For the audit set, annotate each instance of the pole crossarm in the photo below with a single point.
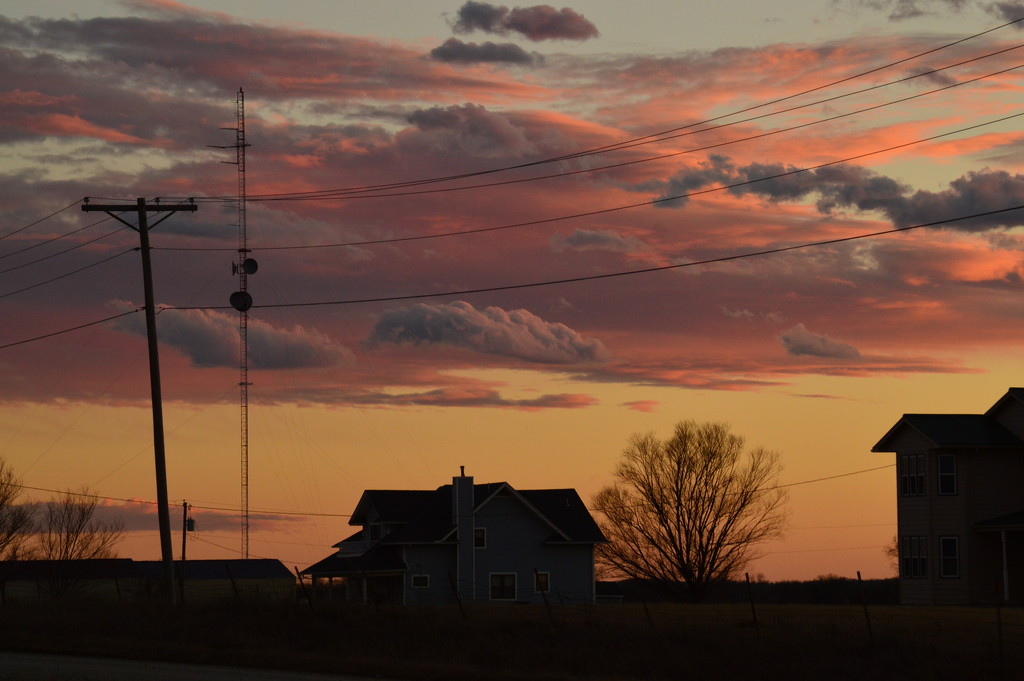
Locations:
(112, 209)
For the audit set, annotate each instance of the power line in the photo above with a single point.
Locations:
(66, 250)
(623, 273)
(43, 219)
(834, 477)
(652, 136)
(311, 514)
(102, 497)
(52, 239)
(327, 195)
(68, 274)
(554, 282)
(631, 206)
(69, 330)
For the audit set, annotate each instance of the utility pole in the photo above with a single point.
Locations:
(163, 509)
(187, 525)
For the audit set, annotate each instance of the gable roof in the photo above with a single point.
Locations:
(1012, 395)
(953, 430)
(425, 516)
(565, 510)
(392, 505)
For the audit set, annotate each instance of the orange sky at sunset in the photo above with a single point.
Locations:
(419, 170)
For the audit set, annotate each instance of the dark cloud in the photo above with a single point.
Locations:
(539, 22)
(596, 240)
(516, 333)
(801, 341)
(210, 339)
(900, 10)
(1007, 11)
(471, 128)
(455, 51)
(716, 170)
(846, 186)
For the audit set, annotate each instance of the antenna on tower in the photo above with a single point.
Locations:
(242, 301)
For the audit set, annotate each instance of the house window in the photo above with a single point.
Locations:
(949, 554)
(911, 475)
(480, 537)
(913, 557)
(421, 581)
(503, 586)
(947, 474)
(373, 531)
(542, 582)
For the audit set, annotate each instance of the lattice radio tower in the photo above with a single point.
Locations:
(242, 301)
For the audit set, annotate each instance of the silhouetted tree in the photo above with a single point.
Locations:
(892, 552)
(69, 533)
(16, 519)
(687, 512)
(70, 529)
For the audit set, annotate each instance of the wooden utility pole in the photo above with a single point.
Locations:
(163, 509)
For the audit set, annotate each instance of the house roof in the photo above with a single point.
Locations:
(235, 568)
(126, 568)
(380, 558)
(425, 517)
(565, 509)
(1013, 394)
(392, 505)
(1010, 521)
(953, 430)
(97, 568)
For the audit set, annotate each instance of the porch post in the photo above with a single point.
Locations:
(1006, 569)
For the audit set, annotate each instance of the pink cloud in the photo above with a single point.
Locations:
(646, 406)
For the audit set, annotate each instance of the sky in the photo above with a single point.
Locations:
(505, 237)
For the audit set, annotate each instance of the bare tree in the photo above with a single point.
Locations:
(70, 529)
(16, 519)
(892, 552)
(688, 512)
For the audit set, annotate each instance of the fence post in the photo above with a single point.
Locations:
(455, 590)
(753, 608)
(867, 617)
(999, 630)
(544, 597)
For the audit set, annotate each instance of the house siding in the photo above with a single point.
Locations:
(989, 485)
(517, 542)
(437, 561)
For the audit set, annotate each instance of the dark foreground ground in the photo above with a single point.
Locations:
(608, 642)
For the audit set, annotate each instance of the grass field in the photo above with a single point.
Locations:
(597, 643)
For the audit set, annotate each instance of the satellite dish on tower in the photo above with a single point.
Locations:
(241, 301)
(249, 266)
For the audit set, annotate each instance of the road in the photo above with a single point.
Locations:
(38, 667)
